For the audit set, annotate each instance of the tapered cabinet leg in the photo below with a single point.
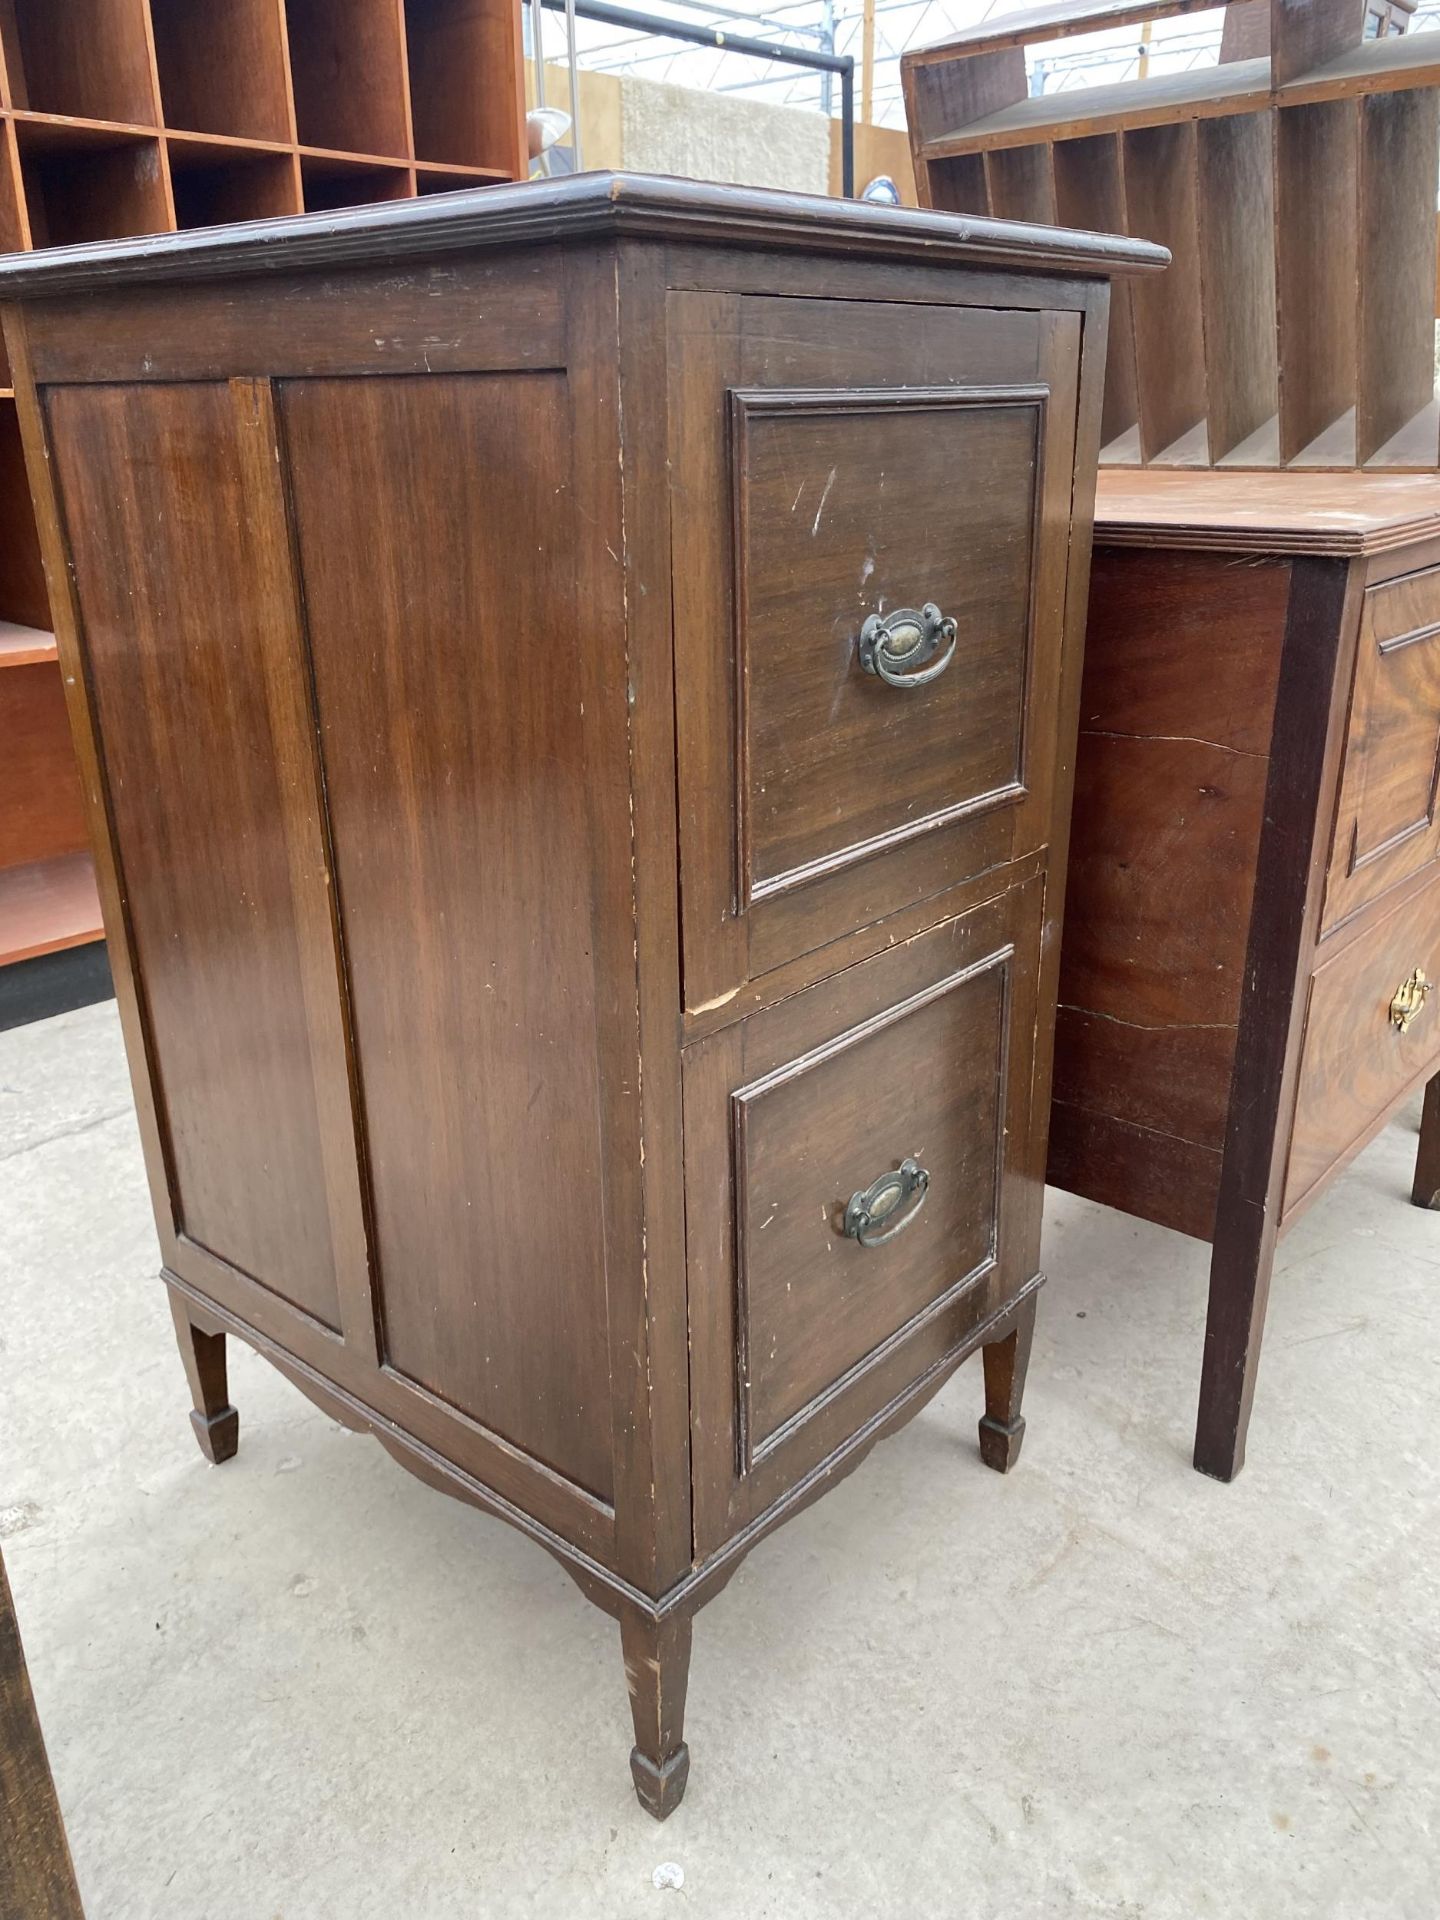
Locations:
(1241, 1262)
(1426, 1190)
(657, 1671)
(1006, 1363)
(216, 1423)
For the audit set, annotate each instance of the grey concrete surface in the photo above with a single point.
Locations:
(303, 1687)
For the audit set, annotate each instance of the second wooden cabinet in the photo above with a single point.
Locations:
(577, 688)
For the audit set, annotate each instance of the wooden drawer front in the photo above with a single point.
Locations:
(800, 1333)
(830, 468)
(1358, 1065)
(1386, 827)
(837, 763)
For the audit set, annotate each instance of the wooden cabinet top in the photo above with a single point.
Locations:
(1334, 513)
(583, 206)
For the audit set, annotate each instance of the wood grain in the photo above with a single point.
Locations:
(1236, 198)
(1304, 756)
(42, 811)
(1090, 192)
(859, 1321)
(178, 607)
(1317, 240)
(37, 1880)
(1399, 152)
(1386, 824)
(1358, 1066)
(1160, 194)
(224, 69)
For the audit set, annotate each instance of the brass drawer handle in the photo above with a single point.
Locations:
(868, 1212)
(894, 645)
(1410, 998)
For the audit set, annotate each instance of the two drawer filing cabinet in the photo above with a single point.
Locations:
(576, 685)
(1252, 930)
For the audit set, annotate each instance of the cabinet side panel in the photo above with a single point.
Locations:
(1181, 659)
(179, 599)
(436, 543)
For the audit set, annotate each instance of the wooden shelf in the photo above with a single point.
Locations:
(214, 183)
(1393, 65)
(1293, 181)
(222, 67)
(331, 181)
(48, 905)
(447, 42)
(347, 62)
(93, 190)
(24, 646)
(1243, 86)
(90, 58)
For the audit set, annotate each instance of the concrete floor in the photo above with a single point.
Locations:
(303, 1686)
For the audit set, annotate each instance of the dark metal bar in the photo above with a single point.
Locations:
(723, 42)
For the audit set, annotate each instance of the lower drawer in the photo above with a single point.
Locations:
(858, 1161)
(1359, 1061)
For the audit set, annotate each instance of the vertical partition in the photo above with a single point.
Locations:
(958, 185)
(222, 67)
(1397, 424)
(1236, 204)
(1090, 193)
(1160, 192)
(1022, 184)
(1316, 260)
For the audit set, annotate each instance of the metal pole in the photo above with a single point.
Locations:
(658, 24)
(537, 62)
(867, 66)
(574, 87)
(847, 129)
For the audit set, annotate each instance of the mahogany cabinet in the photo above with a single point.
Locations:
(576, 687)
(1253, 916)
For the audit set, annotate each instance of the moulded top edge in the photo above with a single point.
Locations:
(556, 210)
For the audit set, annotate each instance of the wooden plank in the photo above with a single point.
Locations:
(1022, 184)
(222, 68)
(48, 905)
(1162, 99)
(1305, 34)
(1055, 22)
(1236, 196)
(1309, 730)
(41, 807)
(86, 57)
(22, 646)
(462, 57)
(956, 186)
(1391, 65)
(940, 99)
(1160, 191)
(1316, 258)
(1338, 513)
(37, 1878)
(1399, 159)
(1090, 193)
(347, 63)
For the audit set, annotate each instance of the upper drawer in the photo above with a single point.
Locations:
(1385, 825)
(870, 518)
